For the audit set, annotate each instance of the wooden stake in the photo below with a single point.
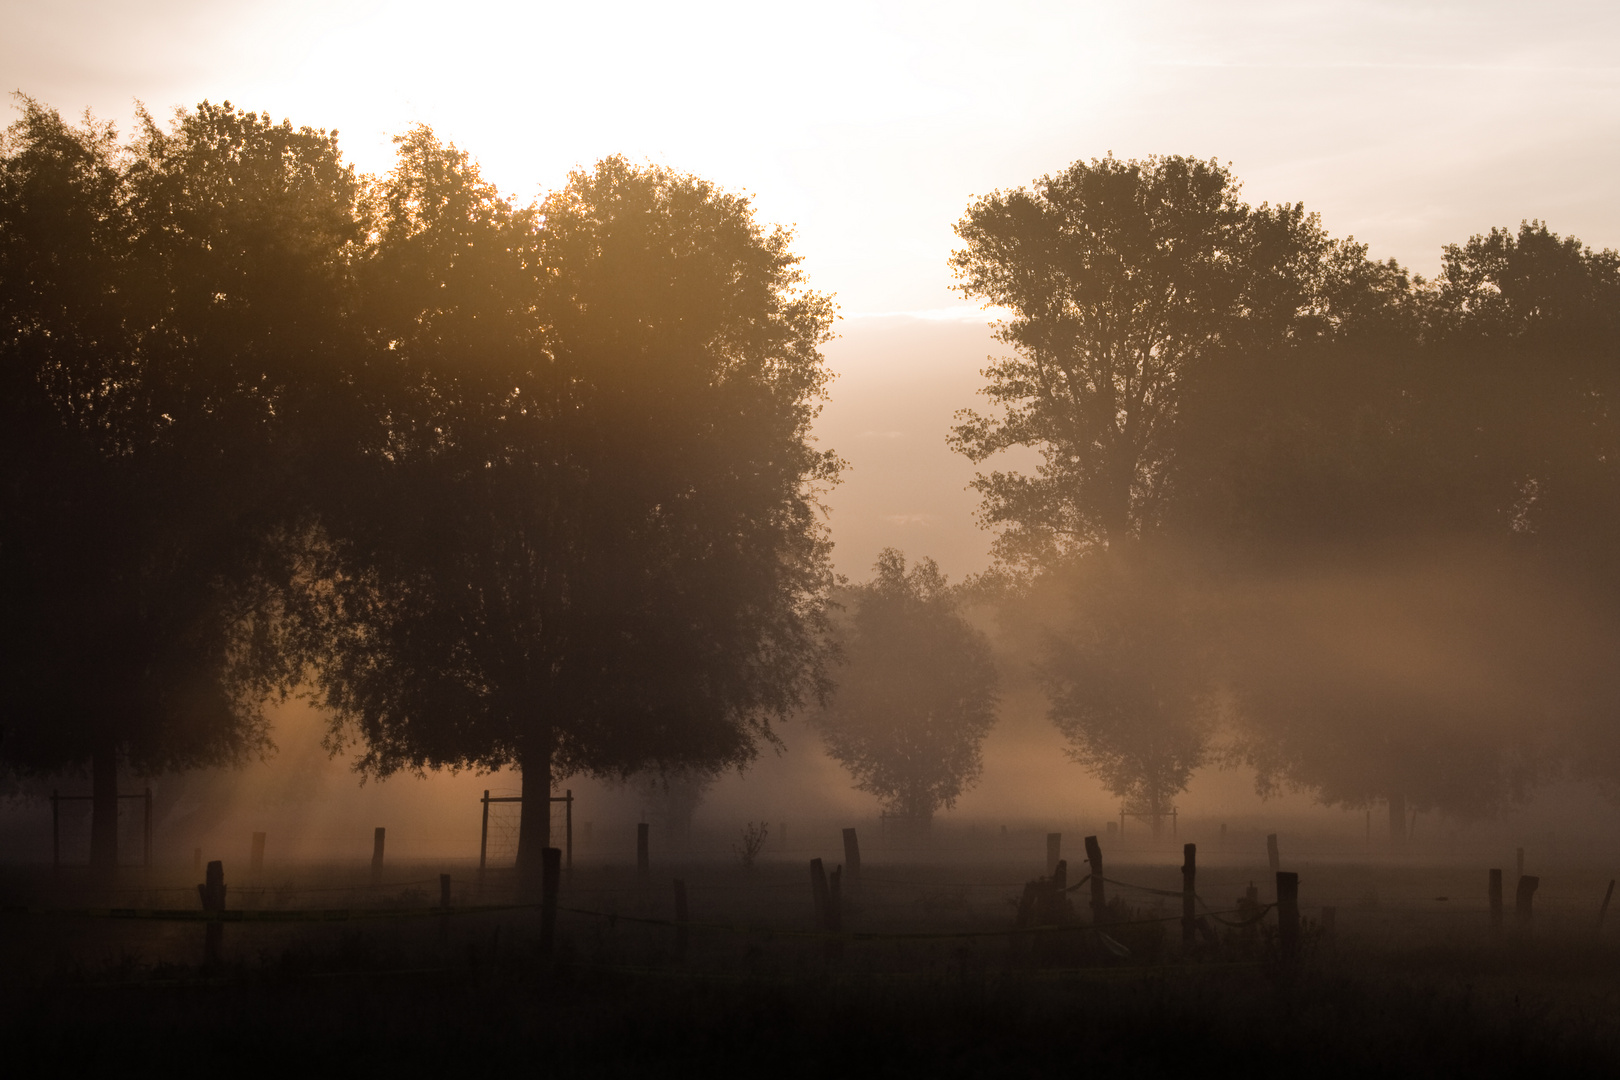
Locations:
(1189, 888)
(643, 863)
(550, 880)
(212, 893)
(377, 839)
(1054, 849)
(1521, 904)
(1099, 902)
(818, 892)
(852, 855)
(1288, 915)
(680, 919)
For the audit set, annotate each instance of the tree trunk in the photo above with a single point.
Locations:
(534, 822)
(104, 811)
(1397, 817)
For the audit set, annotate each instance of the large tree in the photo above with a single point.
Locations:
(169, 307)
(916, 693)
(585, 536)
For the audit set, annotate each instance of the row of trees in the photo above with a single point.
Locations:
(1363, 523)
(505, 485)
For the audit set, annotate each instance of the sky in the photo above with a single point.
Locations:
(870, 126)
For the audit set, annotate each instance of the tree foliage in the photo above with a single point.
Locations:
(586, 538)
(172, 309)
(917, 692)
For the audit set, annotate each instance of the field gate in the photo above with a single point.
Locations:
(567, 799)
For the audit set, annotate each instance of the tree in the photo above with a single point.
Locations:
(1130, 678)
(1119, 278)
(917, 693)
(590, 541)
(169, 309)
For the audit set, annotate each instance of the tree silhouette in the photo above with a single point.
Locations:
(1130, 678)
(170, 308)
(916, 695)
(584, 538)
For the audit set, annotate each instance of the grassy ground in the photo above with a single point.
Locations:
(1410, 984)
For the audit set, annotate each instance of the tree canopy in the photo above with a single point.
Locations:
(172, 311)
(591, 540)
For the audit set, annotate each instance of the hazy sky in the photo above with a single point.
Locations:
(871, 125)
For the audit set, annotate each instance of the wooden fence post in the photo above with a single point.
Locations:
(1495, 894)
(680, 919)
(483, 838)
(1604, 910)
(568, 825)
(212, 893)
(377, 838)
(256, 853)
(1288, 915)
(1054, 851)
(852, 856)
(643, 862)
(1099, 903)
(818, 892)
(1521, 904)
(550, 879)
(1189, 890)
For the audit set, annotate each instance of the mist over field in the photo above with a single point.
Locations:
(890, 537)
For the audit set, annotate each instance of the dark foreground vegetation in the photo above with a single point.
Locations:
(1398, 989)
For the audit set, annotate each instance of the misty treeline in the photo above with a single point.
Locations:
(1295, 507)
(496, 484)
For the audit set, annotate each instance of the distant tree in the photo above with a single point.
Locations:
(169, 311)
(584, 538)
(917, 692)
(671, 797)
(1130, 678)
(1120, 278)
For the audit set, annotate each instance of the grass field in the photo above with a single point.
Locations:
(925, 980)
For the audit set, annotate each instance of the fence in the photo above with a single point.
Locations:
(506, 831)
(57, 799)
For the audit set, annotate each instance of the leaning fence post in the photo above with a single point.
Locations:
(1189, 881)
(550, 878)
(1054, 851)
(1495, 895)
(377, 838)
(1288, 914)
(642, 861)
(212, 892)
(680, 919)
(852, 856)
(818, 892)
(1099, 904)
(1521, 905)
